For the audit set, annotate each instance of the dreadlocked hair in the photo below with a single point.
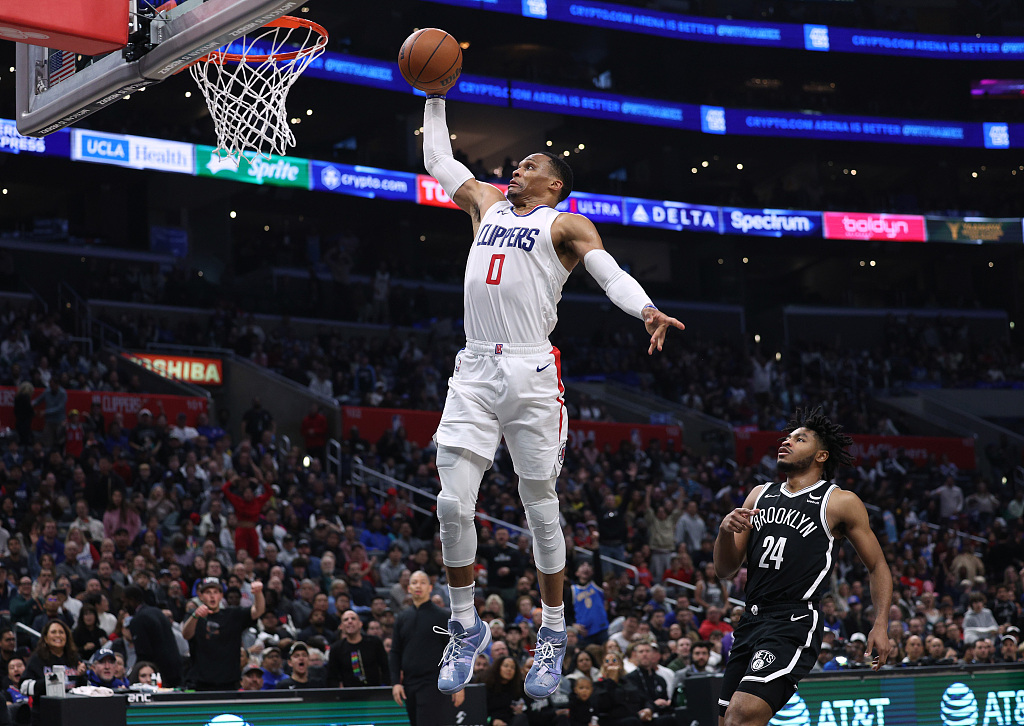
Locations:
(831, 435)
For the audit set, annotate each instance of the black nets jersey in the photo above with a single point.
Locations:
(791, 548)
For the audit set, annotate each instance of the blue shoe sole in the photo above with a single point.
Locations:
(483, 644)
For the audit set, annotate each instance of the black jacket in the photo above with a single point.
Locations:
(416, 649)
(155, 642)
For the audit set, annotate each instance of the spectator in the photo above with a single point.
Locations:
(299, 677)
(505, 696)
(88, 636)
(55, 647)
(54, 400)
(153, 637)
(950, 498)
(103, 670)
(653, 687)
(252, 678)
(979, 621)
(214, 649)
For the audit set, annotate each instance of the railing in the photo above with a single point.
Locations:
(937, 528)
(693, 588)
(360, 470)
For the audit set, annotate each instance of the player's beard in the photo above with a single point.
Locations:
(795, 467)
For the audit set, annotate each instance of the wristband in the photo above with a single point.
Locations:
(435, 95)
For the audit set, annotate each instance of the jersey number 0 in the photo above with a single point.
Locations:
(494, 270)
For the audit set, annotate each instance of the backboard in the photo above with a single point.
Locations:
(55, 88)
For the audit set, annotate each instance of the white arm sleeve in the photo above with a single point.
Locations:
(618, 285)
(437, 149)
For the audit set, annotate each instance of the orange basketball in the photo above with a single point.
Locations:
(430, 60)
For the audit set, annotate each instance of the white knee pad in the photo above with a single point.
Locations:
(544, 520)
(460, 472)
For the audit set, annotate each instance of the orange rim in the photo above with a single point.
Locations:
(285, 21)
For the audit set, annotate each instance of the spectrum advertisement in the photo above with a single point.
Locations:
(701, 29)
(951, 698)
(771, 222)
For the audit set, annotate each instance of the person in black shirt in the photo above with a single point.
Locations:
(653, 687)
(788, 535)
(504, 565)
(416, 650)
(153, 637)
(298, 661)
(215, 636)
(357, 659)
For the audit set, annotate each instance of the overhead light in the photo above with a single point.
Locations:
(188, 94)
(549, 142)
(853, 172)
(581, 147)
(757, 337)
(693, 170)
(266, 228)
(464, 45)
(740, 167)
(704, 164)
(309, 112)
(872, 263)
(746, 260)
(232, 214)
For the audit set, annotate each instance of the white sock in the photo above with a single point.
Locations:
(552, 617)
(463, 605)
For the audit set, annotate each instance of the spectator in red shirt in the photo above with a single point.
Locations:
(713, 622)
(247, 510)
(314, 432)
(911, 580)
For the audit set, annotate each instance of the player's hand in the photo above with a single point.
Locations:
(657, 324)
(878, 642)
(458, 698)
(738, 520)
(257, 587)
(398, 693)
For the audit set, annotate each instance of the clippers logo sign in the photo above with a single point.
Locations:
(203, 371)
(857, 225)
(671, 215)
(363, 181)
(771, 222)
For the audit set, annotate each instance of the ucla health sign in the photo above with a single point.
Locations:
(362, 181)
(771, 222)
(670, 215)
(136, 152)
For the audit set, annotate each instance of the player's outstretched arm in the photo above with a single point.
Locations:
(578, 234)
(733, 535)
(855, 523)
(471, 196)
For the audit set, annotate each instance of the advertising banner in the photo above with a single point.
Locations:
(671, 215)
(281, 171)
(127, 404)
(99, 148)
(866, 449)
(612, 106)
(201, 371)
(11, 142)
(420, 427)
(480, 89)
(363, 181)
(362, 71)
(974, 230)
(771, 222)
(981, 697)
(595, 207)
(866, 226)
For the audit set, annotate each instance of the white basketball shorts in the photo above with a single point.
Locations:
(515, 391)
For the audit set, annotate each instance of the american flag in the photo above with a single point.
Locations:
(61, 66)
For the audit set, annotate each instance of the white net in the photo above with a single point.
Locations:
(246, 86)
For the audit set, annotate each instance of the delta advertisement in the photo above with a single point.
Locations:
(951, 698)
(420, 426)
(867, 449)
(112, 403)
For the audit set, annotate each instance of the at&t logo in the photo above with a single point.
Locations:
(960, 707)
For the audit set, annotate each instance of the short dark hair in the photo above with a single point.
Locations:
(831, 436)
(563, 172)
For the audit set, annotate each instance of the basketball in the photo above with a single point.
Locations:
(430, 60)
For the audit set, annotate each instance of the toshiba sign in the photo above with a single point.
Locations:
(857, 225)
(203, 371)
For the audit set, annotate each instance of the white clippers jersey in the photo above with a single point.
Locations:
(514, 278)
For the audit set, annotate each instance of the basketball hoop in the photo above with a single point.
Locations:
(247, 98)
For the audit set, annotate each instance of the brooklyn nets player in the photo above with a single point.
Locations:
(788, 535)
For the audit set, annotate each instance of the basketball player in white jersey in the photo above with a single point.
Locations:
(788, 533)
(507, 380)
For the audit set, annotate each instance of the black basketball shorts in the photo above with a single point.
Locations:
(773, 648)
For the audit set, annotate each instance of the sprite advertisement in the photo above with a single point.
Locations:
(281, 171)
(952, 698)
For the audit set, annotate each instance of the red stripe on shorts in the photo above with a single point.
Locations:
(561, 389)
